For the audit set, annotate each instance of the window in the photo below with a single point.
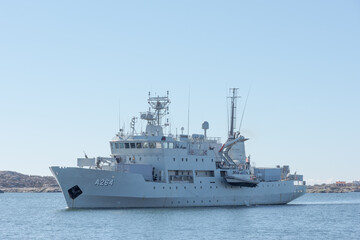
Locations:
(165, 145)
(138, 145)
(145, 145)
(117, 145)
(127, 145)
(121, 145)
(132, 145)
(151, 145)
(158, 145)
(171, 145)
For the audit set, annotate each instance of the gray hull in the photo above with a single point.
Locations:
(112, 189)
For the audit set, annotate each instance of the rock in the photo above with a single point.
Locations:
(16, 182)
(332, 188)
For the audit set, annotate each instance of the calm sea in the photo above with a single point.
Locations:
(313, 216)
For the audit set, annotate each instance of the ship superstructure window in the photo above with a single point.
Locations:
(180, 176)
(138, 145)
(132, 145)
(145, 145)
(117, 145)
(202, 173)
(165, 145)
(127, 145)
(158, 145)
(151, 145)
(121, 145)
(171, 145)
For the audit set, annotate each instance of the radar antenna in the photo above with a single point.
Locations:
(160, 106)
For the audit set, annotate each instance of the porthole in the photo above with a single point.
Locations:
(182, 160)
(202, 201)
(174, 159)
(196, 159)
(186, 159)
(176, 187)
(163, 187)
(201, 187)
(187, 201)
(193, 201)
(216, 187)
(212, 160)
(202, 160)
(178, 202)
(154, 187)
(195, 187)
(209, 200)
(217, 200)
(184, 187)
(210, 186)
(169, 187)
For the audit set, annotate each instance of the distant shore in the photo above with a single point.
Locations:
(332, 188)
(16, 182)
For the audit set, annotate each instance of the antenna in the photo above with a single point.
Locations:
(188, 124)
(119, 115)
(242, 115)
(233, 98)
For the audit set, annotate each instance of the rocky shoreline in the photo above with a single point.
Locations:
(333, 188)
(16, 182)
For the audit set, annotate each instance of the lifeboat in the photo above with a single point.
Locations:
(242, 180)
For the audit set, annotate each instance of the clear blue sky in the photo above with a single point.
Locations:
(64, 67)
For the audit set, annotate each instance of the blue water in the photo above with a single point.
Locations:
(313, 216)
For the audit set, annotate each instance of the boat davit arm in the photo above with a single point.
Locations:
(224, 150)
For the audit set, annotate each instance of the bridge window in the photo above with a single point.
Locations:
(121, 145)
(158, 145)
(132, 145)
(127, 145)
(138, 145)
(117, 145)
(151, 145)
(145, 145)
(171, 145)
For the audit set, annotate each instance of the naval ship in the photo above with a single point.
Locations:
(154, 169)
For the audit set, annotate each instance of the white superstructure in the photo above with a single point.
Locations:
(152, 169)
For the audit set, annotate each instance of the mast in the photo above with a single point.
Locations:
(159, 108)
(233, 98)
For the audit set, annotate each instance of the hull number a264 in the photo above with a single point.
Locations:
(104, 182)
